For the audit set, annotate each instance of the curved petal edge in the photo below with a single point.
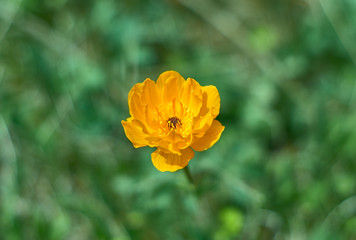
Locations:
(211, 136)
(171, 162)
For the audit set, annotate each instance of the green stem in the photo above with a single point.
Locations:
(188, 175)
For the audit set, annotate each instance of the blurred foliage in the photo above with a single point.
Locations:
(283, 169)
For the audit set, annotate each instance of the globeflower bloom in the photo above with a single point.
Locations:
(175, 116)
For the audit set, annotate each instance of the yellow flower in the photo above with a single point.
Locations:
(175, 115)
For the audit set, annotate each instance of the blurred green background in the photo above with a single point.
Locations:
(284, 167)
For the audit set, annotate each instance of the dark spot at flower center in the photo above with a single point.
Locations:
(173, 121)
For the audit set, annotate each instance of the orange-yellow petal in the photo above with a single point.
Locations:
(166, 75)
(136, 132)
(150, 94)
(210, 137)
(213, 99)
(171, 89)
(142, 94)
(171, 162)
(137, 88)
(209, 110)
(191, 96)
(136, 107)
(170, 142)
(143, 101)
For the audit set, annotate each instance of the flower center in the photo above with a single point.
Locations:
(173, 121)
